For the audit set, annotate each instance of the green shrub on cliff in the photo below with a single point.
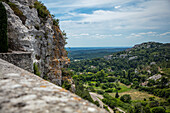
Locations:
(56, 22)
(17, 12)
(66, 85)
(36, 70)
(3, 29)
(5, 1)
(42, 10)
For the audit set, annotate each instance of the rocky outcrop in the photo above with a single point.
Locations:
(39, 36)
(145, 45)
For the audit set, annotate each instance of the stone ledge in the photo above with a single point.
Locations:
(19, 58)
(24, 92)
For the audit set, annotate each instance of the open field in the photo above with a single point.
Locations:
(123, 87)
(135, 94)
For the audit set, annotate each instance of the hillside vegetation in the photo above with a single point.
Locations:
(136, 80)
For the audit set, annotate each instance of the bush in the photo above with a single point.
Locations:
(106, 108)
(109, 90)
(158, 110)
(111, 79)
(151, 98)
(5, 1)
(36, 70)
(164, 103)
(147, 109)
(122, 104)
(144, 103)
(153, 104)
(104, 86)
(17, 12)
(125, 98)
(56, 22)
(117, 95)
(80, 91)
(97, 103)
(168, 99)
(41, 9)
(97, 84)
(139, 108)
(125, 81)
(91, 89)
(107, 96)
(66, 72)
(66, 85)
(100, 92)
(3, 29)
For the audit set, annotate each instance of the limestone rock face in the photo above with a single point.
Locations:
(39, 36)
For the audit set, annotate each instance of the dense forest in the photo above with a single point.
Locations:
(120, 77)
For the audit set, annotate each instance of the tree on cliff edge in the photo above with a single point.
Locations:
(3, 29)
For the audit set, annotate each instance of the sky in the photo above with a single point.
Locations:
(112, 23)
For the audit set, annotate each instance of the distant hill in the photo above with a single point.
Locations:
(79, 53)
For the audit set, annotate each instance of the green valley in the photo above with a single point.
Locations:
(134, 80)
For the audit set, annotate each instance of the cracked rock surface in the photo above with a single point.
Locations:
(24, 92)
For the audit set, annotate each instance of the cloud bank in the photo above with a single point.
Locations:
(112, 22)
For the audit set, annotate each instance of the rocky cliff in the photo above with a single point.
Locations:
(31, 28)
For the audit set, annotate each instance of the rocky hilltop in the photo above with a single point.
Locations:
(31, 28)
(146, 45)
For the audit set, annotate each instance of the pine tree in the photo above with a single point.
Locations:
(117, 95)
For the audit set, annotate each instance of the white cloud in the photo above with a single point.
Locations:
(116, 7)
(84, 34)
(146, 34)
(112, 18)
(118, 35)
(83, 3)
(166, 33)
(147, 17)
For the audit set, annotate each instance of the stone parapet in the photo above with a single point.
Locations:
(20, 59)
(24, 92)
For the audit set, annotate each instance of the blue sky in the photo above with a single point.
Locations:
(112, 23)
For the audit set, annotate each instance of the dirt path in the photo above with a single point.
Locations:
(96, 97)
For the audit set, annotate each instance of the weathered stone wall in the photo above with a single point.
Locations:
(20, 59)
(24, 92)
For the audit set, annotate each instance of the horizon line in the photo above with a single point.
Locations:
(98, 46)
